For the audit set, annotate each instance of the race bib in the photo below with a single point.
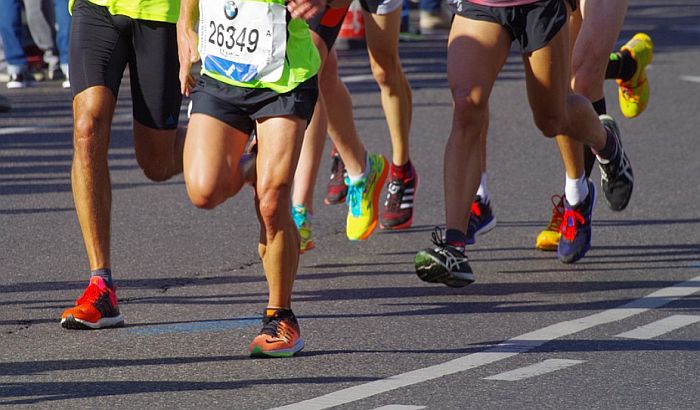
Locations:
(243, 40)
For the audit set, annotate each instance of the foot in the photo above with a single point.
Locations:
(548, 239)
(336, 190)
(444, 263)
(617, 178)
(363, 199)
(481, 219)
(398, 207)
(97, 308)
(634, 93)
(16, 80)
(279, 337)
(576, 228)
(302, 219)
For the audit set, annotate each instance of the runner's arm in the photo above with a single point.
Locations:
(305, 9)
(187, 42)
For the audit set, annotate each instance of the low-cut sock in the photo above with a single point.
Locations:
(357, 178)
(456, 238)
(621, 66)
(401, 172)
(483, 190)
(105, 274)
(610, 149)
(576, 190)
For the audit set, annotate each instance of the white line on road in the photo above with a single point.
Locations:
(504, 350)
(400, 407)
(537, 369)
(660, 327)
(17, 130)
(691, 78)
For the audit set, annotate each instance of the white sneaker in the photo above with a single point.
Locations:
(16, 81)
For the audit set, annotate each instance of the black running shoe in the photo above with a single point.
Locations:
(481, 219)
(444, 264)
(337, 190)
(617, 178)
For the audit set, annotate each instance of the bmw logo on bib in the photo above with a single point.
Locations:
(230, 9)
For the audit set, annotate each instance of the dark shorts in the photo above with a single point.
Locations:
(380, 7)
(102, 45)
(532, 26)
(239, 107)
(327, 24)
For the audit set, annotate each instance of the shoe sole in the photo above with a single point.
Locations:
(259, 352)
(375, 202)
(431, 270)
(71, 322)
(409, 222)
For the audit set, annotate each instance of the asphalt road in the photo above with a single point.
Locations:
(617, 330)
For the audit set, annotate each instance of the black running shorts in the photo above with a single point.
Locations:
(327, 24)
(102, 45)
(532, 25)
(239, 107)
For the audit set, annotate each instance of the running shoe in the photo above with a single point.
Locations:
(481, 219)
(363, 199)
(97, 308)
(444, 263)
(576, 228)
(548, 239)
(336, 190)
(634, 93)
(617, 178)
(279, 337)
(302, 219)
(398, 207)
(16, 81)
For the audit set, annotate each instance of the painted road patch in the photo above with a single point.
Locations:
(195, 327)
(537, 369)
(660, 327)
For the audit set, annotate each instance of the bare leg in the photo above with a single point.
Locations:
(383, 47)
(471, 86)
(279, 147)
(159, 152)
(92, 191)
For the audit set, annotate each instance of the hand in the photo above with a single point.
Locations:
(188, 53)
(305, 9)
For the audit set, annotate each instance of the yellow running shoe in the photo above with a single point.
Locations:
(302, 220)
(634, 93)
(363, 199)
(548, 239)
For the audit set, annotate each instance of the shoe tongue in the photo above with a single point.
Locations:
(99, 282)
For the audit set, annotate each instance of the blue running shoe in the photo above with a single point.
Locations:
(576, 228)
(481, 219)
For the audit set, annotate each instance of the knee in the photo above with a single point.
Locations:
(272, 203)
(470, 106)
(551, 125)
(90, 136)
(202, 190)
(385, 69)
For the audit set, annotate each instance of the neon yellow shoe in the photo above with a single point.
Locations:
(363, 199)
(548, 239)
(302, 219)
(634, 93)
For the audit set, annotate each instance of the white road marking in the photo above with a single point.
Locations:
(537, 369)
(691, 78)
(17, 130)
(660, 327)
(400, 407)
(357, 78)
(504, 350)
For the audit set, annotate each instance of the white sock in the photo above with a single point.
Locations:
(483, 190)
(355, 179)
(576, 190)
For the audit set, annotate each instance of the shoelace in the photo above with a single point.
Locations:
(91, 295)
(354, 198)
(441, 247)
(299, 215)
(571, 220)
(274, 326)
(557, 212)
(394, 195)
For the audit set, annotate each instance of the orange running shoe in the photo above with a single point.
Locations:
(97, 308)
(279, 337)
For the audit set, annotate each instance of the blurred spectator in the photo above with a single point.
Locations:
(40, 15)
(432, 17)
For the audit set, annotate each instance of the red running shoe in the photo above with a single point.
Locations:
(97, 308)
